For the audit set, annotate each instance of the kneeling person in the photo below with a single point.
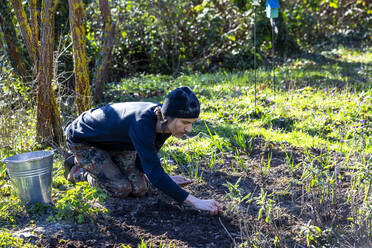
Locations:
(115, 147)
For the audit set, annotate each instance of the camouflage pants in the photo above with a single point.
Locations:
(114, 172)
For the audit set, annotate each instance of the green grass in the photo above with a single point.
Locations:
(312, 105)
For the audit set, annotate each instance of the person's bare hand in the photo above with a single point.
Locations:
(181, 181)
(210, 205)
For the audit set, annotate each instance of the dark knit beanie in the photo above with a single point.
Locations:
(181, 103)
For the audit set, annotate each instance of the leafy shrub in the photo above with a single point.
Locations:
(171, 36)
(317, 20)
(8, 241)
(79, 204)
(165, 36)
(10, 207)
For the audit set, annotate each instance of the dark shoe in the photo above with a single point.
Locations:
(77, 174)
(68, 164)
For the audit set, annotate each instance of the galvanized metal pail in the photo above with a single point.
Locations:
(31, 175)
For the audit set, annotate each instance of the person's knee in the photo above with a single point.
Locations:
(140, 188)
(117, 187)
(121, 188)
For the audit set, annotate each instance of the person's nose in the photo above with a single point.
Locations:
(188, 128)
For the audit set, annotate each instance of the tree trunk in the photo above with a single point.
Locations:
(82, 86)
(48, 121)
(13, 48)
(25, 27)
(49, 127)
(104, 59)
(35, 33)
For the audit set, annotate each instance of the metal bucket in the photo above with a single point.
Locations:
(31, 175)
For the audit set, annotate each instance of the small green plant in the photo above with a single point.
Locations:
(362, 176)
(363, 216)
(192, 166)
(177, 157)
(80, 204)
(240, 161)
(168, 164)
(145, 244)
(236, 195)
(289, 161)
(212, 161)
(267, 206)
(188, 161)
(359, 195)
(319, 173)
(217, 142)
(249, 144)
(310, 232)
(239, 140)
(265, 168)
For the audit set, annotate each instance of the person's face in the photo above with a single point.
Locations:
(180, 126)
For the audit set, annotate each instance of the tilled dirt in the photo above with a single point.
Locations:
(154, 218)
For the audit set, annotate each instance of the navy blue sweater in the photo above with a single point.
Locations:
(127, 126)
